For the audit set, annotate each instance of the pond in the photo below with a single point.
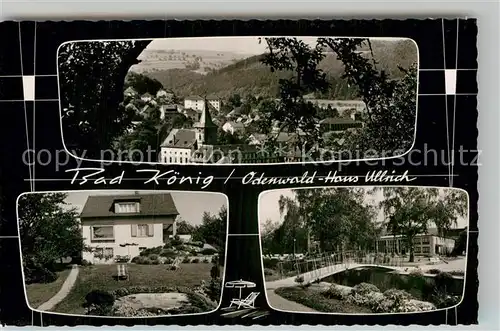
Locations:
(420, 287)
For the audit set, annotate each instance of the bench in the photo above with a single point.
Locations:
(121, 272)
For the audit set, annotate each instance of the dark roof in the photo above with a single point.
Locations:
(180, 138)
(157, 204)
(193, 97)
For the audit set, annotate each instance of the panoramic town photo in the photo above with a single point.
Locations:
(123, 253)
(364, 250)
(234, 100)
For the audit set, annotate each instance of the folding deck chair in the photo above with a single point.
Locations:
(248, 302)
(121, 272)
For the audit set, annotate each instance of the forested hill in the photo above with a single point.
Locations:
(251, 77)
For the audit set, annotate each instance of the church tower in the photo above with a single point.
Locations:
(206, 130)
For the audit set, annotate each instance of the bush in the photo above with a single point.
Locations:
(268, 272)
(208, 251)
(206, 261)
(199, 244)
(168, 245)
(195, 261)
(35, 272)
(99, 298)
(417, 273)
(334, 292)
(85, 263)
(393, 301)
(215, 271)
(271, 263)
(443, 281)
(365, 288)
(176, 241)
(442, 300)
(185, 260)
(299, 279)
(457, 273)
(153, 257)
(168, 253)
(155, 262)
(434, 271)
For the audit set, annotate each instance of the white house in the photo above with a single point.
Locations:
(197, 102)
(178, 147)
(233, 127)
(194, 102)
(123, 225)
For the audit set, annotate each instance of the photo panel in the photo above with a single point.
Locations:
(364, 250)
(123, 254)
(238, 100)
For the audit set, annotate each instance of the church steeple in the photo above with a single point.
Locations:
(206, 130)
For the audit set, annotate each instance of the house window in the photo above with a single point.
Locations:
(426, 250)
(104, 252)
(103, 233)
(142, 230)
(127, 207)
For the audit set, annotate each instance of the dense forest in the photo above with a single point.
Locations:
(251, 77)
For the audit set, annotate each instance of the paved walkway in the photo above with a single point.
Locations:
(63, 292)
(280, 303)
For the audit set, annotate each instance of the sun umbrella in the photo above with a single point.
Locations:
(241, 284)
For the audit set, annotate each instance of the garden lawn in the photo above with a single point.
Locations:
(39, 293)
(312, 298)
(100, 277)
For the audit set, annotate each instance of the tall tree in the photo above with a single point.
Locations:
(48, 230)
(92, 77)
(293, 113)
(391, 103)
(412, 210)
(212, 231)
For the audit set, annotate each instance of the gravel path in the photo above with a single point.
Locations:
(63, 292)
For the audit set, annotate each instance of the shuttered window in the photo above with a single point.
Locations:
(142, 230)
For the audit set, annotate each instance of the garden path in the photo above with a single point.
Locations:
(63, 292)
(280, 303)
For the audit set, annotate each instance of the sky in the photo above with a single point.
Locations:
(190, 205)
(241, 45)
(269, 209)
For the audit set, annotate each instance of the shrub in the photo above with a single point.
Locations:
(365, 288)
(434, 271)
(153, 257)
(457, 273)
(99, 298)
(271, 263)
(416, 273)
(443, 281)
(442, 300)
(168, 253)
(206, 261)
(394, 301)
(167, 245)
(214, 289)
(35, 272)
(268, 272)
(176, 241)
(185, 260)
(155, 262)
(199, 244)
(215, 271)
(195, 261)
(299, 279)
(147, 261)
(85, 263)
(334, 292)
(208, 251)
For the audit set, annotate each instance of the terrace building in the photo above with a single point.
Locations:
(427, 244)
